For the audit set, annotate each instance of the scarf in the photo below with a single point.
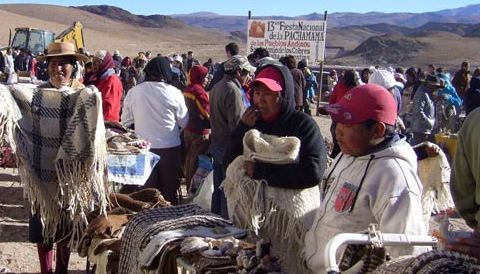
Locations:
(59, 138)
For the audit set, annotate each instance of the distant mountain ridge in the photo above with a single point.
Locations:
(150, 21)
(465, 15)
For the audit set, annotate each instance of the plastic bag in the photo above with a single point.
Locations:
(12, 78)
(201, 186)
(205, 166)
(204, 196)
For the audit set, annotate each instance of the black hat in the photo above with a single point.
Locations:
(432, 80)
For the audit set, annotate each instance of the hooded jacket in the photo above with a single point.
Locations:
(312, 157)
(110, 87)
(381, 187)
(196, 99)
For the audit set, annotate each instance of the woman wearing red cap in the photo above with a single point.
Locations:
(273, 114)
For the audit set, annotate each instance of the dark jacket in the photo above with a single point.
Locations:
(460, 81)
(312, 156)
(217, 76)
(299, 84)
(472, 97)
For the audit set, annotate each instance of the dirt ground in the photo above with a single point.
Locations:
(17, 255)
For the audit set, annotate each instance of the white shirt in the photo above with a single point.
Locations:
(158, 111)
(9, 67)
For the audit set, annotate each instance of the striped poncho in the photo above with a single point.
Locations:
(59, 139)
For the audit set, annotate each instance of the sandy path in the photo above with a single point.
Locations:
(17, 255)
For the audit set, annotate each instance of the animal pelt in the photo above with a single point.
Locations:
(106, 227)
(125, 201)
(150, 195)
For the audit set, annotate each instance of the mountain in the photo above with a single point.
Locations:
(386, 49)
(465, 15)
(151, 21)
(370, 43)
(117, 30)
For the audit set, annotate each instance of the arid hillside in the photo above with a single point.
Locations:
(104, 33)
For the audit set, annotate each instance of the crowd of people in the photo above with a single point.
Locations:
(185, 109)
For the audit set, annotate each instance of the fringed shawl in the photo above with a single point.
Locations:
(434, 172)
(280, 215)
(59, 138)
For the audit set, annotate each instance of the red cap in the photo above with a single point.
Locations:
(363, 103)
(271, 77)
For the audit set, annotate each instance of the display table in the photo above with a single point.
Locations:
(131, 169)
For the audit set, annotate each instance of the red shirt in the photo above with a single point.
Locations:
(338, 92)
(111, 89)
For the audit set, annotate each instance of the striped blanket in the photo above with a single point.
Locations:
(146, 224)
(59, 138)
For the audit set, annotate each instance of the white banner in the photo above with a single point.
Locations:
(300, 38)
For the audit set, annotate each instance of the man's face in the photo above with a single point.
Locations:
(243, 77)
(60, 71)
(354, 140)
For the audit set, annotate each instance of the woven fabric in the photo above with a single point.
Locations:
(146, 224)
(59, 138)
(433, 262)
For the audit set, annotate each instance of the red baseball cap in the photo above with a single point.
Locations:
(271, 77)
(363, 103)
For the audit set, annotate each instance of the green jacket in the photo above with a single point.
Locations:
(465, 181)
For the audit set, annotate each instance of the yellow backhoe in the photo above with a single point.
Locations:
(37, 40)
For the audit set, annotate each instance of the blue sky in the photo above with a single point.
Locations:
(267, 7)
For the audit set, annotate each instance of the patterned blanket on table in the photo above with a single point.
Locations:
(133, 169)
(145, 225)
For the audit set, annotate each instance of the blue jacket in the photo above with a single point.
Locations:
(450, 92)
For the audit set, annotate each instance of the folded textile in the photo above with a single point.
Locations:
(133, 169)
(148, 223)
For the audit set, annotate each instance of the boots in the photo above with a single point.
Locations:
(45, 256)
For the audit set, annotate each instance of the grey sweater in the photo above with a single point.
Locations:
(423, 112)
(226, 109)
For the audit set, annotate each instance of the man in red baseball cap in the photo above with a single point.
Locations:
(373, 180)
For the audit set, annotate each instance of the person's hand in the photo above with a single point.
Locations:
(432, 149)
(249, 117)
(467, 245)
(249, 167)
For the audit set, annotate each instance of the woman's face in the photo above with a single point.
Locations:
(267, 102)
(60, 71)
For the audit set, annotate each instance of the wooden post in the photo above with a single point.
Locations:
(319, 97)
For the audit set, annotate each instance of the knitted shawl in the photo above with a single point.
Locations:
(59, 138)
(434, 172)
(280, 215)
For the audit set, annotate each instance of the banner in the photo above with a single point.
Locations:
(300, 38)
